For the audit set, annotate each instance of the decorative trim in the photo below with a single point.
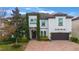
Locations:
(43, 28)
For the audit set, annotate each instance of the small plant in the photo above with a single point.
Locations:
(23, 39)
(74, 39)
(43, 38)
(16, 45)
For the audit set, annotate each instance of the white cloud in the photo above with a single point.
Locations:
(9, 11)
(43, 11)
(28, 8)
(22, 12)
(40, 10)
(33, 9)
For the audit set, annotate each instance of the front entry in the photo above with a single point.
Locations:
(33, 34)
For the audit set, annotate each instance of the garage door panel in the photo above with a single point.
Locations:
(60, 36)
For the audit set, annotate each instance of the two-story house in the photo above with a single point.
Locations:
(56, 26)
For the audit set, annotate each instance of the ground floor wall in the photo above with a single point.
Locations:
(44, 32)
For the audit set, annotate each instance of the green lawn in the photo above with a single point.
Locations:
(8, 47)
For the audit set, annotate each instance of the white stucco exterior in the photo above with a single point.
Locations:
(34, 19)
(51, 25)
(44, 28)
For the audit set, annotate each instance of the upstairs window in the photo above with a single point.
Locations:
(60, 22)
(33, 21)
(43, 23)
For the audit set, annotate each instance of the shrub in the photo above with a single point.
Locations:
(7, 40)
(74, 39)
(16, 45)
(45, 38)
(23, 39)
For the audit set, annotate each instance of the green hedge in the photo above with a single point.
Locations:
(23, 39)
(43, 38)
(74, 39)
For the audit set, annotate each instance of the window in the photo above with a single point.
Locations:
(41, 33)
(33, 21)
(43, 23)
(60, 21)
(44, 33)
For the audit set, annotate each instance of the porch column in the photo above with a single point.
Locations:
(49, 36)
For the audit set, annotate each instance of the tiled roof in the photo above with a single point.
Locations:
(53, 15)
(60, 14)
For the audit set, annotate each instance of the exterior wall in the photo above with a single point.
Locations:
(53, 25)
(44, 28)
(75, 28)
(35, 19)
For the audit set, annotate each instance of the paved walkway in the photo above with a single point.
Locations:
(54, 45)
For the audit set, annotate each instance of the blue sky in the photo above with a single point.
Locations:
(74, 11)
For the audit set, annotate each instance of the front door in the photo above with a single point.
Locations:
(33, 34)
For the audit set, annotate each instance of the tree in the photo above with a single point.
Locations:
(16, 16)
(18, 22)
(38, 26)
(27, 27)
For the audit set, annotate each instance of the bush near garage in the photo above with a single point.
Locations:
(74, 39)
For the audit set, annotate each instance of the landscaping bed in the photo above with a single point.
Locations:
(12, 47)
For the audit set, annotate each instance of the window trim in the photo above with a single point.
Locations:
(60, 21)
(33, 21)
(41, 33)
(43, 23)
(44, 33)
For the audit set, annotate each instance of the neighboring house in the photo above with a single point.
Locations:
(75, 27)
(1, 24)
(2, 27)
(54, 26)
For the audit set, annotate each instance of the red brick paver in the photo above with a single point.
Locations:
(54, 45)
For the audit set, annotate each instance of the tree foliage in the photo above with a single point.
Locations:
(27, 27)
(18, 22)
(38, 26)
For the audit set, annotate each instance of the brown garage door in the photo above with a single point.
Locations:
(60, 36)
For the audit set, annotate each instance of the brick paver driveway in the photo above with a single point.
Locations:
(54, 45)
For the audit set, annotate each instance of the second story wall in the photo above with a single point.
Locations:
(62, 25)
(32, 21)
